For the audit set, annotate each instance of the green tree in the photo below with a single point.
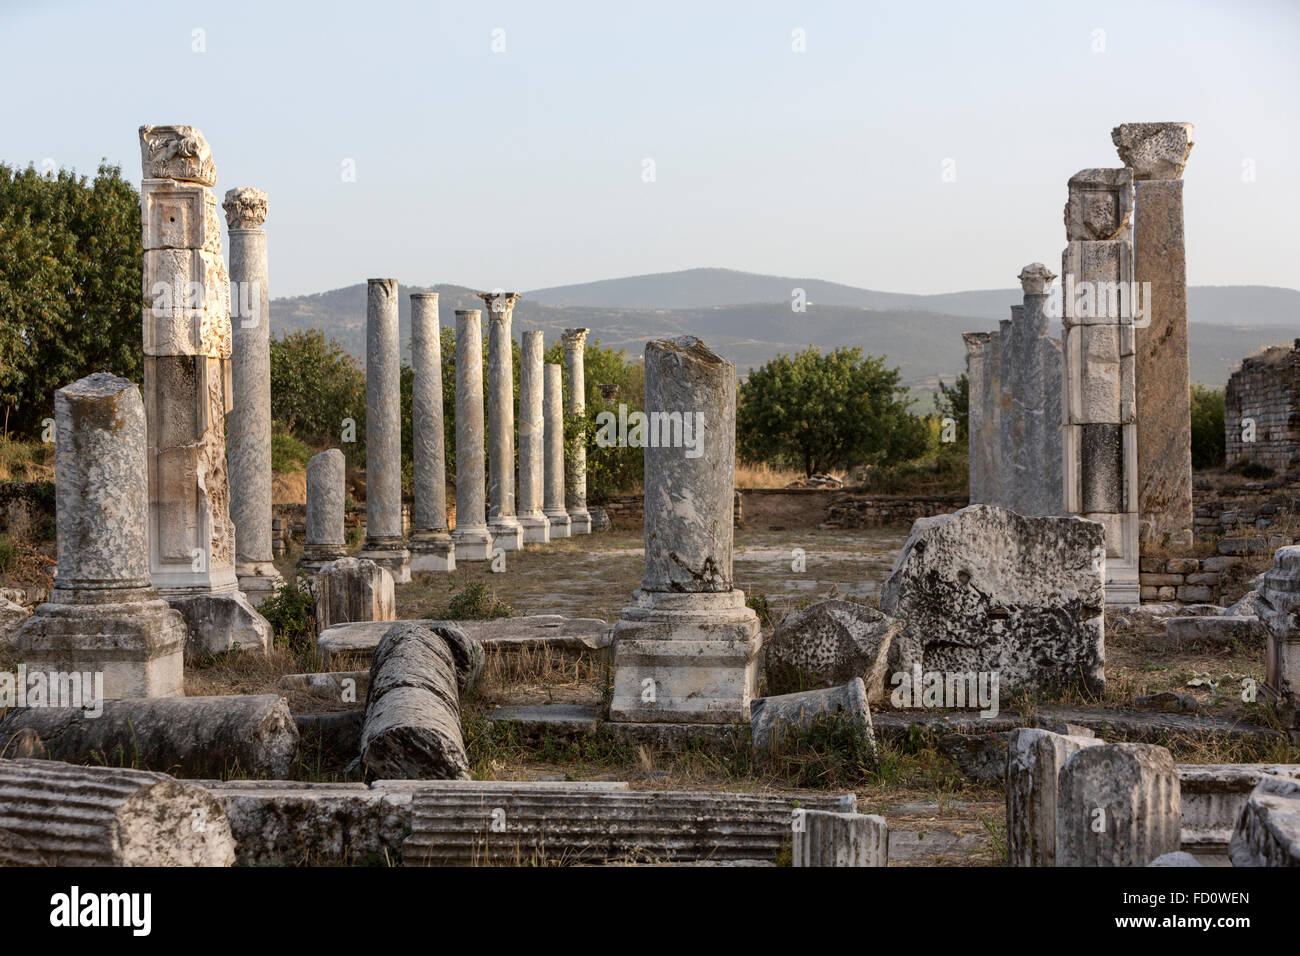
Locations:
(1208, 439)
(953, 401)
(819, 412)
(315, 386)
(70, 286)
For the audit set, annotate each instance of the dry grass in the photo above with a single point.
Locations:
(765, 476)
(26, 460)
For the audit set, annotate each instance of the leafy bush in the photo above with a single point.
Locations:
(291, 610)
(287, 452)
(476, 602)
(7, 552)
(1208, 442)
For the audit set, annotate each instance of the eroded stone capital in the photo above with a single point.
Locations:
(177, 152)
(1036, 279)
(245, 207)
(1154, 150)
(574, 338)
(499, 304)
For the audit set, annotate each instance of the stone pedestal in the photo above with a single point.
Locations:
(553, 459)
(1278, 604)
(471, 536)
(575, 500)
(502, 521)
(248, 428)
(1100, 437)
(187, 393)
(431, 546)
(103, 615)
(385, 543)
(685, 651)
(1156, 153)
(326, 500)
(532, 441)
(353, 589)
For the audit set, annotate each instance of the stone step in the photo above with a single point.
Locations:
(572, 637)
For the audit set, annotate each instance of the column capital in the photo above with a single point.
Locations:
(500, 305)
(1154, 150)
(245, 207)
(574, 338)
(1036, 279)
(177, 152)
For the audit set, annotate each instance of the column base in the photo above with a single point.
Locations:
(131, 636)
(390, 555)
(580, 522)
(258, 580)
(316, 556)
(219, 621)
(432, 551)
(537, 528)
(472, 544)
(560, 525)
(507, 533)
(685, 658)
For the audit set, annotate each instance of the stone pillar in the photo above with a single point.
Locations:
(471, 536)
(431, 546)
(980, 438)
(1278, 604)
(686, 649)
(1117, 805)
(825, 838)
(1156, 154)
(502, 521)
(575, 341)
(532, 441)
(1034, 761)
(103, 614)
(187, 393)
(384, 543)
(326, 500)
(1038, 450)
(249, 426)
(1100, 439)
(1007, 412)
(553, 428)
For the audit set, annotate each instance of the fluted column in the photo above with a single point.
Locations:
(553, 415)
(471, 536)
(575, 341)
(431, 545)
(248, 427)
(531, 441)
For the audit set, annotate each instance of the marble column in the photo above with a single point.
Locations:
(431, 545)
(1100, 437)
(187, 393)
(575, 341)
(326, 501)
(471, 536)
(507, 534)
(385, 542)
(1157, 153)
(1038, 451)
(531, 441)
(1007, 418)
(553, 415)
(248, 428)
(686, 650)
(979, 436)
(103, 615)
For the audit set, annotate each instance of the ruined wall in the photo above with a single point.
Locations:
(1267, 390)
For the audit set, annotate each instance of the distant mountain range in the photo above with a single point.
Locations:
(748, 318)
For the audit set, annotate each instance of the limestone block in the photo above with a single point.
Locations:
(1268, 830)
(177, 152)
(823, 838)
(187, 303)
(776, 721)
(1118, 805)
(1154, 150)
(1277, 602)
(990, 591)
(828, 644)
(353, 589)
(1034, 761)
(1100, 204)
(180, 216)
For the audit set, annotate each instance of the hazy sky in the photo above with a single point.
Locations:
(525, 168)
